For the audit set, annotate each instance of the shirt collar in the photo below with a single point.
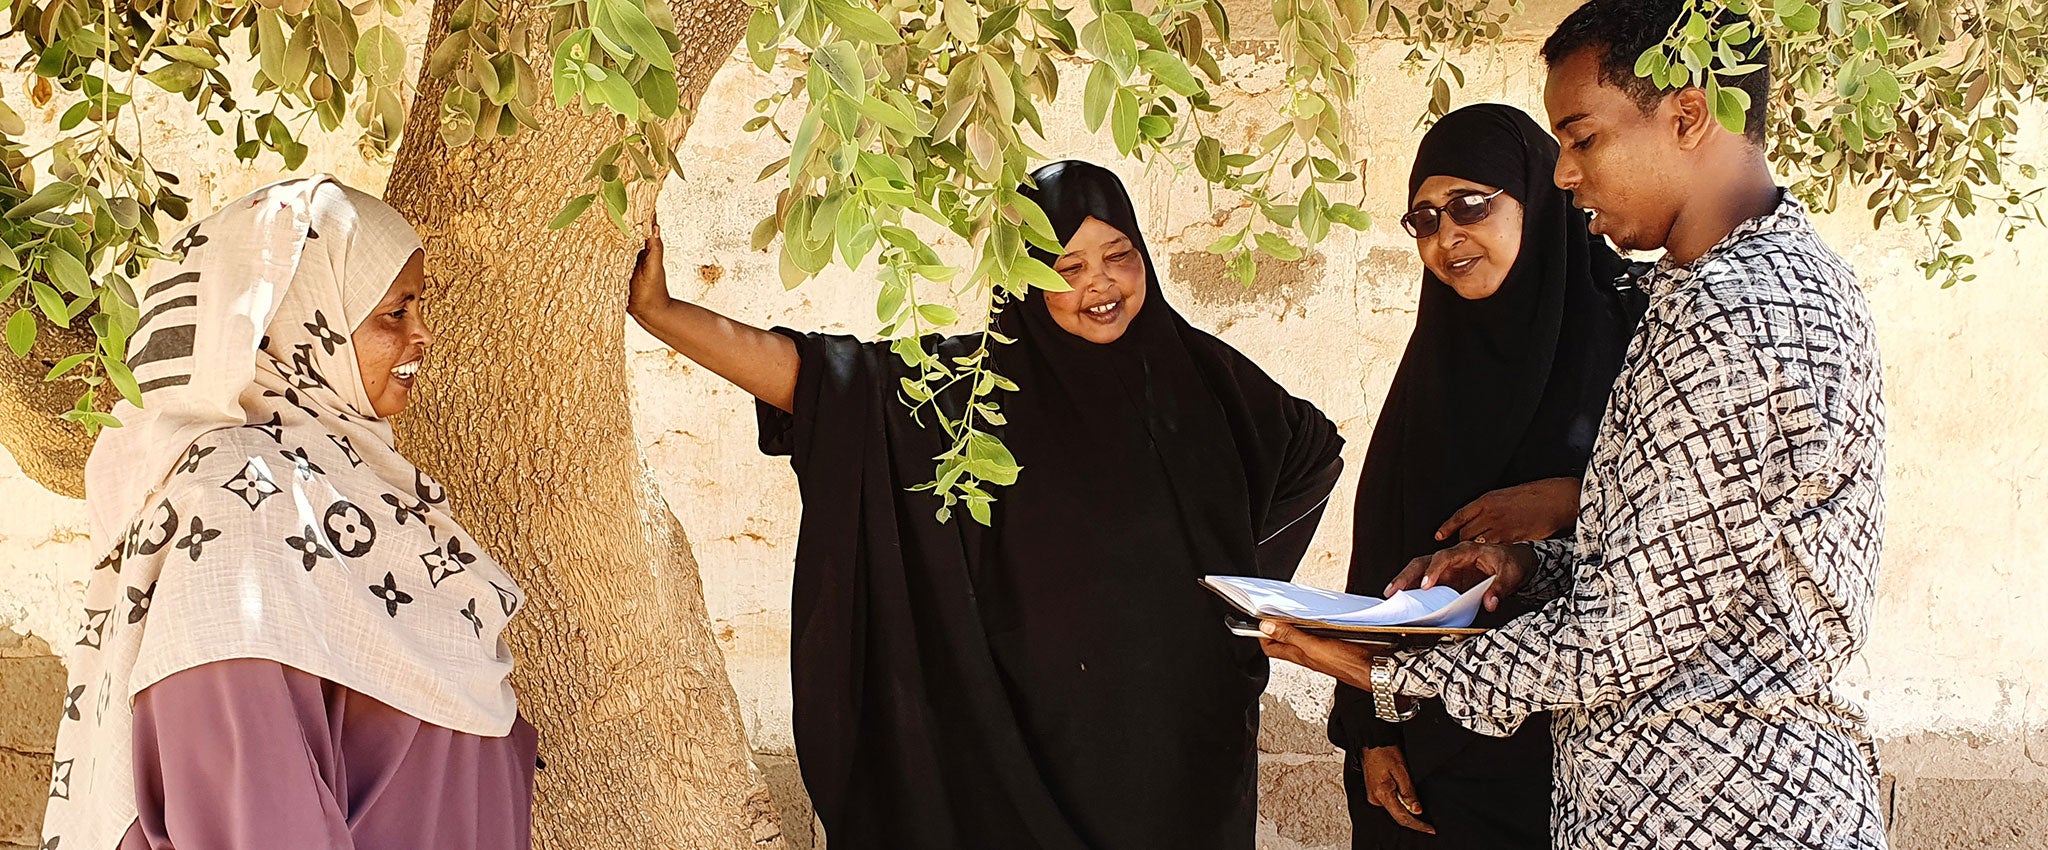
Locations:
(1788, 216)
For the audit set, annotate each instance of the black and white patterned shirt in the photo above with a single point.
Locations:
(1722, 574)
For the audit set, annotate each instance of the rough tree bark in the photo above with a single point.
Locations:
(51, 451)
(525, 417)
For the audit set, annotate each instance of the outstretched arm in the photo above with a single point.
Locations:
(763, 363)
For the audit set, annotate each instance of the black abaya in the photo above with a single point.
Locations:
(1057, 680)
(1490, 393)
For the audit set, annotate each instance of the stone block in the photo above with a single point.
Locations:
(1969, 814)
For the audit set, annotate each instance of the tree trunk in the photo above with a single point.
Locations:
(524, 416)
(50, 450)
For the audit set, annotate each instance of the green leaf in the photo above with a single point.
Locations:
(986, 450)
(888, 116)
(67, 272)
(52, 304)
(763, 35)
(625, 22)
(11, 123)
(1803, 19)
(1651, 63)
(1120, 46)
(298, 57)
(50, 197)
(841, 63)
(1036, 274)
(1242, 267)
(1730, 107)
(1056, 21)
(65, 365)
(190, 55)
(21, 332)
(999, 23)
(1123, 121)
(1314, 224)
(614, 193)
(1884, 85)
(271, 44)
(1000, 89)
(1349, 216)
(1278, 248)
(176, 77)
(571, 211)
(937, 315)
(1226, 244)
(123, 380)
(1209, 159)
(1099, 95)
(890, 302)
(127, 213)
(612, 90)
(1169, 69)
(381, 56)
(856, 19)
(451, 50)
(1921, 65)
(658, 91)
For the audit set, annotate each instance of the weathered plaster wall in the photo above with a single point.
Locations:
(1956, 675)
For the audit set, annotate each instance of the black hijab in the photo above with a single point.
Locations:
(1494, 392)
(1057, 680)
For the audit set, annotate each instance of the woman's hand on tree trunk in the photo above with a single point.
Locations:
(763, 363)
(647, 291)
(1388, 786)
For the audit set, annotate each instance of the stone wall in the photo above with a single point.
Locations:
(1950, 676)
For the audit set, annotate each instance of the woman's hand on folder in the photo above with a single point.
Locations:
(1468, 564)
(1347, 662)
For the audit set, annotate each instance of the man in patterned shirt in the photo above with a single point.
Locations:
(1723, 567)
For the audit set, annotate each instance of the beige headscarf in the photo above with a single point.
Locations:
(255, 506)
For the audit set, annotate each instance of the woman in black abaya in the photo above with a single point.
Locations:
(1523, 323)
(1057, 679)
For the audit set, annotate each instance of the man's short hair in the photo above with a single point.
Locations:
(1623, 29)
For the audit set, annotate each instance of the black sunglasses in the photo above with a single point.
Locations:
(1423, 222)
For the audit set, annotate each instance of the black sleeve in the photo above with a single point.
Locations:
(1308, 474)
(1354, 726)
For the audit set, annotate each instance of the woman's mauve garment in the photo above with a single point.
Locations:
(252, 755)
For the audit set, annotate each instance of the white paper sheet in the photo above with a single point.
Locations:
(1438, 607)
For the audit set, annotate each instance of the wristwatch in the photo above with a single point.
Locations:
(1384, 706)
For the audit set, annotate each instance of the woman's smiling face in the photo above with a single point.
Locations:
(1107, 273)
(392, 343)
(1475, 258)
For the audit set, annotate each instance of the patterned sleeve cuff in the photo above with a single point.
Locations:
(1420, 672)
(1553, 574)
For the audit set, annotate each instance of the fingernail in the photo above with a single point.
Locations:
(1268, 627)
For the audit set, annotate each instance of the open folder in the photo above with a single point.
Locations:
(1438, 610)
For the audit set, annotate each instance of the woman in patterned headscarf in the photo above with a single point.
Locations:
(290, 643)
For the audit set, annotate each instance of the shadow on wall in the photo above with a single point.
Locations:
(1273, 281)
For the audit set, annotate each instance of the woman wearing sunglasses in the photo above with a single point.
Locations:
(1520, 332)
